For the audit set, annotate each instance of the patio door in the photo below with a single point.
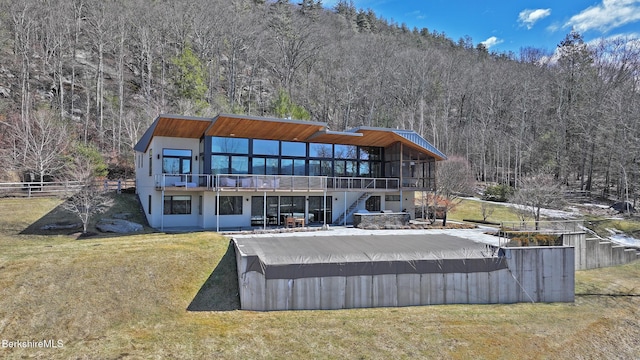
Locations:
(291, 206)
(257, 210)
(317, 210)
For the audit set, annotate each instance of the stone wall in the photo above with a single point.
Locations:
(380, 220)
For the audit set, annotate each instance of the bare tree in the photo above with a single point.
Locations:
(91, 198)
(39, 140)
(454, 179)
(487, 210)
(537, 192)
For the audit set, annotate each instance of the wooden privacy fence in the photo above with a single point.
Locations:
(29, 189)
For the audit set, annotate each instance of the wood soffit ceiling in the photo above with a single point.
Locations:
(275, 130)
(262, 129)
(181, 127)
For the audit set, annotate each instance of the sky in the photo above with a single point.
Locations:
(509, 25)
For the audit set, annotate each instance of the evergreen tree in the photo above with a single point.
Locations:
(189, 77)
(284, 107)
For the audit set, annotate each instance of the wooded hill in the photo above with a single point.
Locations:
(98, 72)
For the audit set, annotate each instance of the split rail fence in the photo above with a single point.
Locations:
(34, 189)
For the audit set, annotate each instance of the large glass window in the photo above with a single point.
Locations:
(299, 167)
(272, 157)
(272, 166)
(364, 170)
(262, 166)
(292, 206)
(229, 145)
(340, 167)
(320, 150)
(292, 167)
(346, 152)
(176, 161)
(294, 149)
(230, 205)
(314, 168)
(370, 153)
(320, 168)
(317, 209)
(376, 169)
(258, 208)
(265, 147)
(326, 168)
(177, 204)
(352, 168)
(286, 167)
(257, 166)
(219, 164)
(239, 165)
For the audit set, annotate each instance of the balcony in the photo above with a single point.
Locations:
(234, 182)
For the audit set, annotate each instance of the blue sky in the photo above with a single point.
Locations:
(508, 25)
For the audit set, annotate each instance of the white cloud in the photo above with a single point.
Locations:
(416, 14)
(608, 47)
(606, 16)
(529, 17)
(492, 41)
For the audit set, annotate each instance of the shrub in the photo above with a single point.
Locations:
(533, 239)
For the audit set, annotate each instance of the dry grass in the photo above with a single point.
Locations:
(128, 297)
(470, 209)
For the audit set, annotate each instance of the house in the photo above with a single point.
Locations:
(235, 171)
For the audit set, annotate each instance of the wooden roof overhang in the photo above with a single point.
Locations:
(371, 137)
(173, 126)
(263, 128)
(229, 125)
(182, 128)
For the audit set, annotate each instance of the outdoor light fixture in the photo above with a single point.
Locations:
(158, 156)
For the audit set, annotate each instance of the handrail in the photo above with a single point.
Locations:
(272, 182)
(269, 182)
(356, 183)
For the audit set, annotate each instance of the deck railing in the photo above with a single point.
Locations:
(354, 183)
(236, 182)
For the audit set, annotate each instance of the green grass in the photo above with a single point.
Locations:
(131, 296)
(600, 226)
(470, 209)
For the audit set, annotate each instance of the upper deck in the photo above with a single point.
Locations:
(234, 182)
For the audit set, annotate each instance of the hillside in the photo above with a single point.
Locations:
(99, 72)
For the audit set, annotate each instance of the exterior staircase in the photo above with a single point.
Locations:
(352, 209)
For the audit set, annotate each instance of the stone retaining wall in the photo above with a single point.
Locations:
(380, 220)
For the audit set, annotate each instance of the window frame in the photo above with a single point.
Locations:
(173, 201)
(184, 161)
(228, 200)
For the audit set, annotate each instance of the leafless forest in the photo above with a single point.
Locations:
(98, 72)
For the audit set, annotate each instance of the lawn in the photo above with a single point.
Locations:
(157, 295)
(471, 210)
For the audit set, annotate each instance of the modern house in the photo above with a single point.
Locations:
(235, 171)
